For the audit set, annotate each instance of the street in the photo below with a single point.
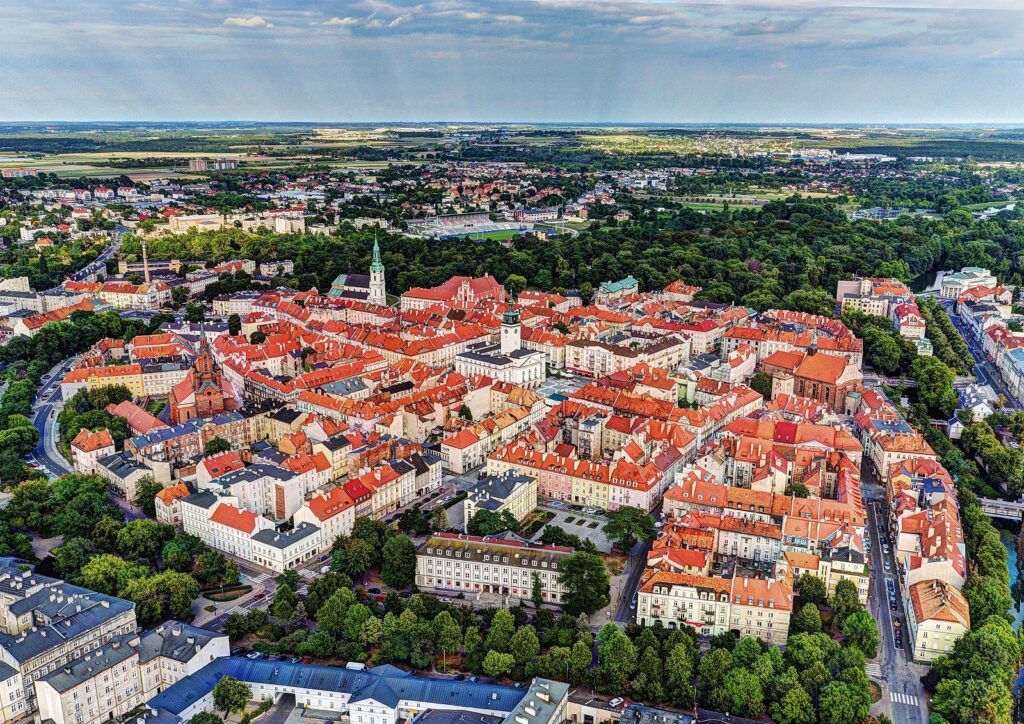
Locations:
(984, 370)
(45, 454)
(903, 697)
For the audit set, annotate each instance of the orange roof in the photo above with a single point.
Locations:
(168, 495)
(232, 517)
(87, 441)
(937, 600)
(822, 368)
(330, 504)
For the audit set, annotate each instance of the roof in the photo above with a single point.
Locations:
(387, 682)
(91, 664)
(174, 640)
(283, 539)
(87, 441)
(232, 517)
(935, 599)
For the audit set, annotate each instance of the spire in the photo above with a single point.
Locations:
(376, 265)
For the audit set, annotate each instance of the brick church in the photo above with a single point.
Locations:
(203, 393)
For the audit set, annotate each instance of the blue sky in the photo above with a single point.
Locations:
(514, 60)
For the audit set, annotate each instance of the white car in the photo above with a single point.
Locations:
(616, 702)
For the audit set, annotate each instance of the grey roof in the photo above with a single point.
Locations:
(543, 697)
(345, 387)
(6, 672)
(122, 465)
(252, 472)
(493, 490)
(283, 539)
(440, 716)
(174, 640)
(286, 415)
(62, 612)
(88, 666)
(205, 499)
(336, 443)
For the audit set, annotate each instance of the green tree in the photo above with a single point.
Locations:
(146, 490)
(499, 636)
(524, 644)
(761, 383)
(986, 596)
(142, 540)
(231, 695)
(109, 574)
(234, 325)
(585, 580)
(205, 717)
(742, 693)
(680, 666)
(810, 589)
(536, 592)
(487, 522)
(842, 703)
(194, 312)
(216, 445)
(860, 630)
(498, 664)
(627, 525)
(795, 707)
(806, 620)
(844, 601)
(399, 562)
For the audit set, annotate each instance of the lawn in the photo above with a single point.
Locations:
(495, 235)
(228, 594)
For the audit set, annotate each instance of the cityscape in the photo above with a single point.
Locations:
(537, 415)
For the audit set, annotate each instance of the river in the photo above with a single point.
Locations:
(930, 281)
(1007, 538)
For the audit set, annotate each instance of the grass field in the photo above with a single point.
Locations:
(495, 235)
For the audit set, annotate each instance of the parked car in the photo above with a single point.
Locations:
(616, 702)
(374, 591)
(460, 677)
(445, 600)
(307, 659)
(632, 603)
(260, 596)
(295, 660)
(255, 655)
(237, 651)
(405, 594)
(474, 679)
(887, 565)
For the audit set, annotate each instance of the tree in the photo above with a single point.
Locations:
(810, 589)
(331, 616)
(761, 383)
(585, 580)
(842, 703)
(234, 325)
(795, 707)
(146, 490)
(447, 633)
(986, 597)
(524, 645)
(844, 601)
(617, 657)
(142, 540)
(216, 445)
(194, 312)
(935, 386)
(398, 569)
(499, 636)
(536, 592)
(109, 574)
(465, 413)
(680, 668)
(257, 337)
(973, 700)
(627, 525)
(742, 693)
(860, 630)
(497, 664)
(205, 717)
(231, 695)
(486, 522)
(806, 620)
(74, 554)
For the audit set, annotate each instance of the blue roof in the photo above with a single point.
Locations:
(383, 683)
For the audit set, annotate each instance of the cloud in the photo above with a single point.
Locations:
(344, 22)
(254, 21)
(780, 65)
(509, 18)
(439, 54)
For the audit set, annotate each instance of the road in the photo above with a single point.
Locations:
(984, 370)
(44, 416)
(98, 266)
(635, 565)
(903, 696)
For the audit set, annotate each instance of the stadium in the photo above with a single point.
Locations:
(471, 226)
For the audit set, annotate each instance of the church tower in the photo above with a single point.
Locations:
(511, 331)
(377, 291)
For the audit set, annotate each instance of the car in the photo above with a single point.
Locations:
(374, 591)
(307, 659)
(632, 603)
(891, 586)
(261, 595)
(324, 557)
(254, 655)
(445, 600)
(405, 594)
(295, 660)
(238, 651)
(892, 604)
(616, 702)
(474, 679)
(885, 548)
(460, 677)
(380, 598)
(887, 565)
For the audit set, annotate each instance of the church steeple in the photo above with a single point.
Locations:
(378, 293)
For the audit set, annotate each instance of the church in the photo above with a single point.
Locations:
(203, 393)
(363, 287)
(507, 361)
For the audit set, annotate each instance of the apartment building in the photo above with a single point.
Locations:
(504, 565)
(507, 491)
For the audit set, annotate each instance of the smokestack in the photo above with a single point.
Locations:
(145, 262)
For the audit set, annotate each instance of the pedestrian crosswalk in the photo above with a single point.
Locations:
(872, 669)
(899, 698)
(307, 573)
(257, 580)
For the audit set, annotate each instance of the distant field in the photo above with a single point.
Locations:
(495, 235)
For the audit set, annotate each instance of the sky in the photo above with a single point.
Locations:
(582, 61)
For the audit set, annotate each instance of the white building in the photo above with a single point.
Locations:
(953, 285)
(507, 361)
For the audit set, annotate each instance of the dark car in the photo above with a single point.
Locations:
(374, 591)
(460, 677)
(237, 651)
(405, 594)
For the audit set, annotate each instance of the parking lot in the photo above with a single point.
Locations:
(577, 522)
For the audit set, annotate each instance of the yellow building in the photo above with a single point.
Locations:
(509, 491)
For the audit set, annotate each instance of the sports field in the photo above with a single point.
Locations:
(495, 235)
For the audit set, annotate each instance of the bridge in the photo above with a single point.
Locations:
(1005, 509)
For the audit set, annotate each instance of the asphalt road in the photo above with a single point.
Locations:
(44, 417)
(984, 370)
(903, 696)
